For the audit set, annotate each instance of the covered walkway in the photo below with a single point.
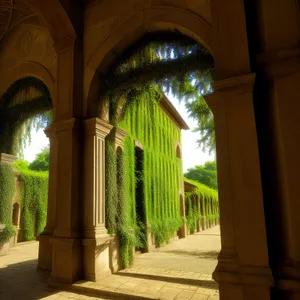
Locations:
(180, 270)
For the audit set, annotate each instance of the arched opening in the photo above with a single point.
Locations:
(16, 214)
(25, 107)
(178, 152)
(163, 214)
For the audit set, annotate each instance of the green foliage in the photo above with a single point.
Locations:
(41, 162)
(161, 168)
(200, 204)
(206, 174)
(7, 191)
(34, 200)
(111, 187)
(165, 61)
(199, 111)
(25, 105)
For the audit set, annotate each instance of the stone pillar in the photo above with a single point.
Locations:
(66, 240)
(243, 267)
(45, 247)
(67, 254)
(183, 230)
(199, 225)
(96, 240)
(277, 103)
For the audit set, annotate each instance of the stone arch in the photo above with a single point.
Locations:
(60, 26)
(24, 98)
(29, 69)
(16, 214)
(129, 31)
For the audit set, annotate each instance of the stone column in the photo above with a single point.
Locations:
(243, 267)
(96, 240)
(67, 127)
(199, 212)
(277, 102)
(45, 247)
(183, 230)
(66, 240)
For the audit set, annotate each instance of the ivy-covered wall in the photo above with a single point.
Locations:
(34, 199)
(7, 191)
(201, 204)
(161, 178)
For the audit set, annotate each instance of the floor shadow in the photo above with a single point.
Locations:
(23, 281)
(209, 284)
(199, 254)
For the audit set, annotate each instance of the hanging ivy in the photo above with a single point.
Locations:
(168, 61)
(161, 174)
(26, 105)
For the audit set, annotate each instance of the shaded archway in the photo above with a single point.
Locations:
(24, 99)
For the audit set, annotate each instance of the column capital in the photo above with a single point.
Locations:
(120, 135)
(279, 62)
(96, 126)
(235, 85)
(231, 86)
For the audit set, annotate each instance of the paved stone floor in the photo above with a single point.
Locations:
(181, 270)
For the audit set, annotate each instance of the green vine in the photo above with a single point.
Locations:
(200, 204)
(7, 191)
(161, 176)
(34, 201)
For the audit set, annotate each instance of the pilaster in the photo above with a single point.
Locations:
(96, 241)
(243, 267)
(45, 247)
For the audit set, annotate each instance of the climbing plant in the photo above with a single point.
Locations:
(145, 122)
(7, 191)
(26, 105)
(168, 61)
(34, 200)
(200, 204)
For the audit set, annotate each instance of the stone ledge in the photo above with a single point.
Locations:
(7, 158)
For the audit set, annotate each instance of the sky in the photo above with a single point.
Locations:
(191, 154)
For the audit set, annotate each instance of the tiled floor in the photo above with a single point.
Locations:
(181, 270)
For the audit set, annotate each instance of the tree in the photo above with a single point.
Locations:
(206, 174)
(41, 162)
(199, 111)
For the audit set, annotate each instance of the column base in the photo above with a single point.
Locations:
(114, 256)
(288, 279)
(45, 252)
(242, 282)
(66, 260)
(96, 257)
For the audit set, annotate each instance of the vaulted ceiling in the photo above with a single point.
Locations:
(13, 12)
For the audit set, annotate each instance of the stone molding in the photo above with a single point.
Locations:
(279, 62)
(120, 135)
(235, 85)
(96, 126)
(7, 158)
